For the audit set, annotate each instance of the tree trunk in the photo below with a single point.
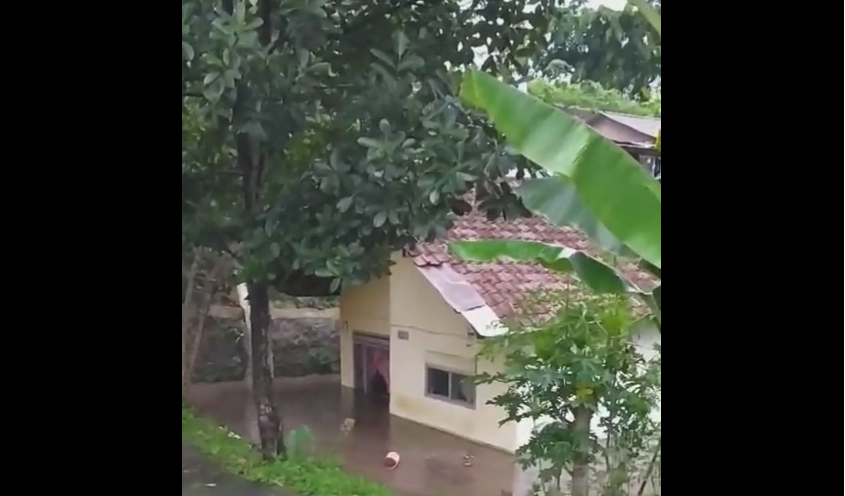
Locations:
(200, 321)
(251, 158)
(247, 344)
(188, 315)
(269, 420)
(651, 468)
(204, 287)
(581, 468)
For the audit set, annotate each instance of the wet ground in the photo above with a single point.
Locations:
(433, 463)
(200, 477)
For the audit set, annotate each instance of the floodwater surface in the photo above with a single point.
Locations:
(433, 463)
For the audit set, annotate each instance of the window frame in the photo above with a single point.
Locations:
(471, 405)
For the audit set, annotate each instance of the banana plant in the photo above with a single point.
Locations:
(593, 185)
(605, 187)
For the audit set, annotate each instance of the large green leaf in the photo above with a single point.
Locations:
(557, 200)
(609, 182)
(596, 275)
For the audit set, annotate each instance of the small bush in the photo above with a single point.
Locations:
(301, 474)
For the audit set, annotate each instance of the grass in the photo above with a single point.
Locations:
(302, 475)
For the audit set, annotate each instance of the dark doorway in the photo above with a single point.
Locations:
(372, 365)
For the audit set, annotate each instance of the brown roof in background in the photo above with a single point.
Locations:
(650, 126)
(504, 284)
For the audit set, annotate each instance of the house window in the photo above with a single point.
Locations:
(450, 386)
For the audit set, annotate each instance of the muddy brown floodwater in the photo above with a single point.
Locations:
(433, 463)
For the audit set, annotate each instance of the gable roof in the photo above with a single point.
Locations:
(650, 126)
(499, 285)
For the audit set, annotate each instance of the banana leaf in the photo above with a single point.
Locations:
(595, 274)
(610, 184)
(556, 199)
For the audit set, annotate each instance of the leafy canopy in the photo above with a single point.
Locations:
(621, 50)
(594, 186)
(318, 137)
(593, 96)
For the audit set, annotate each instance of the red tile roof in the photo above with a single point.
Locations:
(503, 284)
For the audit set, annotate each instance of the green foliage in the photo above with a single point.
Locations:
(594, 185)
(650, 13)
(573, 370)
(578, 366)
(598, 276)
(593, 96)
(300, 473)
(208, 192)
(618, 49)
(563, 146)
(301, 443)
(331, 132)
(320, 137)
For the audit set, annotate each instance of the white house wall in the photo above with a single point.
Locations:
(438, 336)
(364, 309)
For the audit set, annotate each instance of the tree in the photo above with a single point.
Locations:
(598, 188)
(592, 96)
(592, 185)
(204, 277)
(325, 136)
(574, 373)
(204, 272)
(618, 49)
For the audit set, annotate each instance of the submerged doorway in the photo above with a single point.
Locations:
(372, 365)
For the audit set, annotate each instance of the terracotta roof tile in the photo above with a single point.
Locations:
(504, 284)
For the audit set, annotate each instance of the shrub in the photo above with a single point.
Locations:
(302, 474)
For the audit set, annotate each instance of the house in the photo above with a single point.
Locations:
(621, 128)
(637, 135)
(415, 334)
